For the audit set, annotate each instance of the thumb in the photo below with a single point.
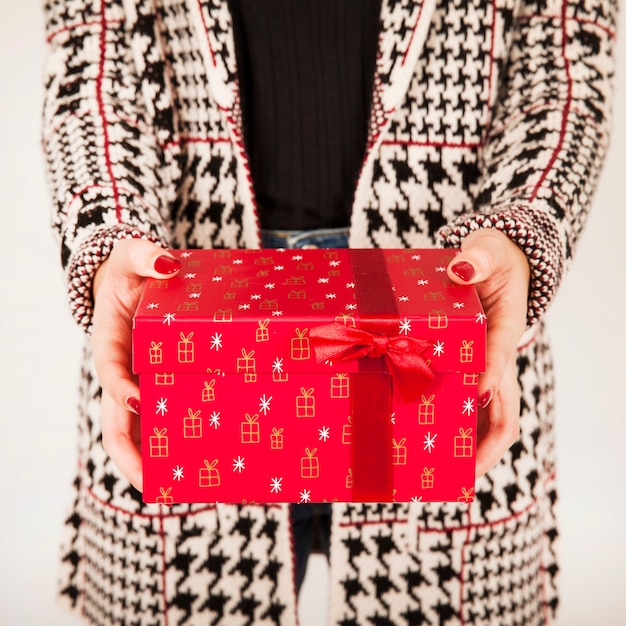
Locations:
(143, 258)
(118, 286)
(132, 258)
(481, 252)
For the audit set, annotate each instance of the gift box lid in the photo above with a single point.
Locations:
(227, 310)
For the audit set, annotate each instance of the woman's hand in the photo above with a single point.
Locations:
(499, 269)
(117, 287)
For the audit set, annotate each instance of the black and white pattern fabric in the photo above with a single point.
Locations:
(491, 562)
(486, 114)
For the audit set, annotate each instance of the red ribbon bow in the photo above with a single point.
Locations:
(409, 370)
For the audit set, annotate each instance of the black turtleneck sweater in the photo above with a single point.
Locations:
(306, 72)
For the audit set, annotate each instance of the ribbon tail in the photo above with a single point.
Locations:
(411, 380)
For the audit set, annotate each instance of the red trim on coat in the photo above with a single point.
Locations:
(102, 113)
(417, 21)
(566, 107)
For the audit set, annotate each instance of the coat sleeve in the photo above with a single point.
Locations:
(101, 153)
(548, 137)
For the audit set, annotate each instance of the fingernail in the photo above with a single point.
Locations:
(167, 264)
(464, 270)
(133, 404)
(485, 399)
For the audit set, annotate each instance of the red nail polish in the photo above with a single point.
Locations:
(485, 399)
(167, 264)
(133, 404)
(464, 270)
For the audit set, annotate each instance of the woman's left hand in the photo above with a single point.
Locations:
(499, 270)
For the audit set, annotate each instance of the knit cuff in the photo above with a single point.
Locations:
(535, 234)
(84, 263)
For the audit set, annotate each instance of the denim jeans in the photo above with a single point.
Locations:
(310, 523)
(303, 239)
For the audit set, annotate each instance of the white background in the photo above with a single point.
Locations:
(40, 352)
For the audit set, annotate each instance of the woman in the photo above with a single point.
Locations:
(483, 127)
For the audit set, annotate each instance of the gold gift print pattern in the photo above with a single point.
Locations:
(186, 348)
(192, 425)
(234, 329)
(310, 464)
(305, 403)
(300, 346)
(250, 429)
(159, 443)
(209, 475)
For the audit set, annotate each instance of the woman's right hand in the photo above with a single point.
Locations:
(117, 288)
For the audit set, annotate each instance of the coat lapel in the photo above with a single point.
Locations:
(214, 29)
(404, 26)
(213, 26)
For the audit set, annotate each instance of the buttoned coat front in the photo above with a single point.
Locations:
(486, 114)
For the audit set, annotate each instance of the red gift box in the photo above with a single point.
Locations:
(309, 376)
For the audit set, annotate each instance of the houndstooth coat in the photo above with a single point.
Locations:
(486, 113)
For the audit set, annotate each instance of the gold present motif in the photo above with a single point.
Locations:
(164, 497)
(467, 495)
(470, 379)
(208, 391)
(277, 439)
(340, 386)
(156, 353)
(399, 452)
(296, 294)
(186, 349)
(246, 365)
(437, 320)
(159, 443)
(467, 352)
(163, 379)
(428, 478)
(209, 475)
(239, 283)
(250, 429)
(414, 272)
(346, 432)
(295, 281)
(305, 403)
(192, 425)
(434, 295)
(349, 479)
(463, 443)
(426, 411)
(269, 305)
(300, 346)
(262, 332)
(346, 320)
(223, 315)
(310, 464)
